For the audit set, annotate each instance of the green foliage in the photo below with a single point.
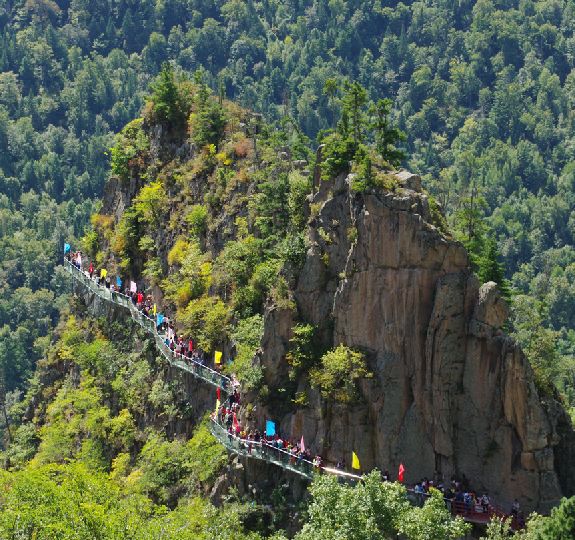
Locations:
(235, 264)
(353, 121)
(302, 351)
(340, 369)
(247, 336)
(130, 144)
(167, 469)
(375, 510)
(207, 319)
(560, 525)
(208, 120)
(72, 502)
(169, 100)
(337, 155)
(387, 136)
(151, 204)
(538, 344)
(490, 268)
(178, 252)
(299, 189)
(193, 277)
(197, 219)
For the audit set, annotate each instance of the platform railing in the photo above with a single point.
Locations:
(263, 451)
(179, 361)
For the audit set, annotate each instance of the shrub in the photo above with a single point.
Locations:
(299, 189)
(337, 155)
(151, 204)
(301, 352)
(247, 337)
(340, 369)
(129, 143)
(178, 252)
(207, 319)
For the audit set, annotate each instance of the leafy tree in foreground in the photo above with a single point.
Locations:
(375, 510)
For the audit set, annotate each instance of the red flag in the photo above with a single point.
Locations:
(190, 345)
(236, 423)
(218, 394)
(302, 445)
(401, 472)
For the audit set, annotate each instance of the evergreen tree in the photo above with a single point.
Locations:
(490, 268)
(387, 136)
(169, 105)
(353, 104)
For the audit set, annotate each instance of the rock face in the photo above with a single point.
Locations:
(451, 393)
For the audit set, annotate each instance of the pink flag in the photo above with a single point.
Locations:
(133, 286)
(302, 445)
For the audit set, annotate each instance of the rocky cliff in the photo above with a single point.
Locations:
(451, 395)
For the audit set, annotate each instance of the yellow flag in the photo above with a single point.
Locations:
(103, 273)
(154, 310)
(218, 357)
(355, 461)
(217, 406)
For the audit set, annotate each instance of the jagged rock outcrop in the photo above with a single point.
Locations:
(451, 393)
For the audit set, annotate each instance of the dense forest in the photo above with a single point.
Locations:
(484, 92)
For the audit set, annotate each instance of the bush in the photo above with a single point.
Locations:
(337, 155)
(130, 143)
(197, 219)
(247, 337)
(340, 369)
(301, 354)
(177, 253)
(207, 319)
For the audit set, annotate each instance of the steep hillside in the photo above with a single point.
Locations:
(351, 315)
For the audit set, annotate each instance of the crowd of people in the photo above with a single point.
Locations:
(180, 345)
(294, 452)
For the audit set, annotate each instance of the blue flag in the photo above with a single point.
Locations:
(118, 282)
(159, 319)
(270, 428)
(66, 248)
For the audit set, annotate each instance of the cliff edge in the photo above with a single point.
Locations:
(451, 394)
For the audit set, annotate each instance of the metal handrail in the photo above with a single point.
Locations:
(262, 451)
(270, 453)
(147, 323)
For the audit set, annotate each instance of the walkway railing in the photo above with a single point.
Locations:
(177, 360)
(262, 451)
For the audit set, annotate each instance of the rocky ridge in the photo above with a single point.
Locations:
(452, 395)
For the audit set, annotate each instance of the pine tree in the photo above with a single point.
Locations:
(490, 268)
(386, 136)
(168, 104)
(353, 103)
